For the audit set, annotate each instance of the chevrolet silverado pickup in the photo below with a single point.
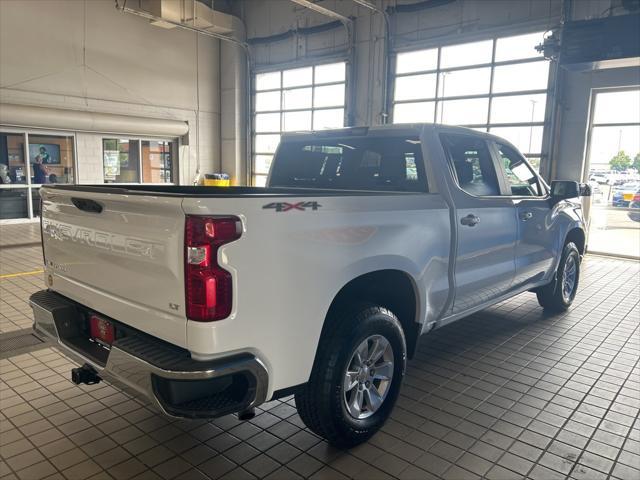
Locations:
(210, 300)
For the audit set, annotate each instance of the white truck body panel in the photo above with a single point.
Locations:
(280, 306)
(126, 262)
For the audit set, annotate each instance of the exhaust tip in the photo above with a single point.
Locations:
(85, 374)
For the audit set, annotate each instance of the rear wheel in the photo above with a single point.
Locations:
(356, 377)
(558, 295)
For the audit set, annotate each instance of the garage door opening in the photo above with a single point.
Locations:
(614, 172)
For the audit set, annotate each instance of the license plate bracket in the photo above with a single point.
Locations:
(101, 330)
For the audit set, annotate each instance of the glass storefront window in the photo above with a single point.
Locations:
(12, 165)
(157, 161)
(31, 160)
(51, 159)
(120, 160)
(13, 203)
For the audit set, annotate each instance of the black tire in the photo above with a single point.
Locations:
(320, 403)
(554, 297)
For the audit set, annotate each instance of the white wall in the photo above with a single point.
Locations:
(86, 55)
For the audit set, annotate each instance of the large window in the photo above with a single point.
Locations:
(299, 99)
(28, 161)
(157, 161)
(120, 160)
(13, 177)
(497, 85)
(614, 173)
(123, 159)
(51, 159)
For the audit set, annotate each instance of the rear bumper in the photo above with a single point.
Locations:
(164, 373)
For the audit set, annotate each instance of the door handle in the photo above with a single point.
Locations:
(87, 205)
(524, 216)
(470, 220)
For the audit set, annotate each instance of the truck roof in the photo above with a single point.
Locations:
(388, 129)
(393, 129)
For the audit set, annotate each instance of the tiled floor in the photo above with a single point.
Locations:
(508, 393)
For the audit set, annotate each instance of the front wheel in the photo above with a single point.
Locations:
(559, 294)
(356, 377)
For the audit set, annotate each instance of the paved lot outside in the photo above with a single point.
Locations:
(611, 230)
(508, 393)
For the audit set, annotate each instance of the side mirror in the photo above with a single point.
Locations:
(563, 189)
(585, 190)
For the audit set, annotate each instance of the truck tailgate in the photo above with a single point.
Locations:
(120, 255)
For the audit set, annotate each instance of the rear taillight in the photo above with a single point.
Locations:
(209, 288)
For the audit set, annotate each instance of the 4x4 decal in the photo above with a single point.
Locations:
(287, 207)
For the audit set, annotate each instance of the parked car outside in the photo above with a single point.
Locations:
(600, 178)
(623, 195)
(634, 205)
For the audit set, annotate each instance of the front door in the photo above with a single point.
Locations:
(485, 221)
(535, 242)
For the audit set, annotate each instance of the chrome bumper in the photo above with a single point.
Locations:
(142, 364)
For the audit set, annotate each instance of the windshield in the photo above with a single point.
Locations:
(351, 163)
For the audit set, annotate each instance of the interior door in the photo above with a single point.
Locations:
(486, 224)
(535, 242)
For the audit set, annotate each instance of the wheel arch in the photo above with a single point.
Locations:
(389, 288)
(577, 236)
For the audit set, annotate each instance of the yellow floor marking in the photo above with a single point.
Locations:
(21, 274)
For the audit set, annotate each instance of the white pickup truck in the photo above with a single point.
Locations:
(210, 301)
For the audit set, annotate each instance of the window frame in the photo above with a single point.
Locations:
(253, 175)
(507, 192)
(30, 187)
(438, 99)
(593, 126)
(139, 140)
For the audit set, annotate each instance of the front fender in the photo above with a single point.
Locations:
(565, 216)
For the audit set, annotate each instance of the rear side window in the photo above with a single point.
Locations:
(472, 164)
(351, 163)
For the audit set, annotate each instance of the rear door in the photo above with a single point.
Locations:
(119, 254)
(486, 223)
(535, 242)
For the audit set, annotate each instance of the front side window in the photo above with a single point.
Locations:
(520, 178)
(351, 163)
(472, 164)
